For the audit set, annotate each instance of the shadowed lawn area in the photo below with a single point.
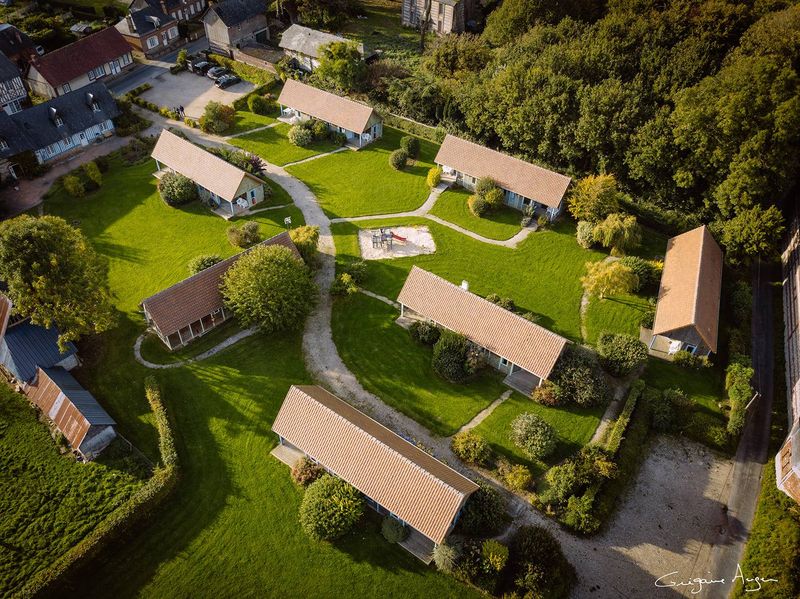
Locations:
(541, 275)
(574, 426)
(398, 370)
(278, 197)
(363, 183)
(382, 29)
(231, 527)
(620, 314)
(274, 147)
(49, 501)
(153, 349)
(704, 386)
(452, 207)
(245, 121)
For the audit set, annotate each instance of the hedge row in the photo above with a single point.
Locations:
(617, 433)
(143, 502)
(434, 134)
(241, 103)
(138, 91)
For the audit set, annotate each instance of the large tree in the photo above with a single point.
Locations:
(608, 278)
(341, 66)
(271, 288)
(54, 276)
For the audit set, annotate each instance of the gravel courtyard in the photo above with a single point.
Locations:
(192, 92)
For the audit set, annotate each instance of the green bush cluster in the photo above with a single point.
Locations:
(424, 332)
(488, 197)
(260, 105)
(411, 146)
(450, 357)
(470, 447)
(537, 566)
(330, 508)
(306, 471)
(217, 118)
(504, 302)
(620, 354)
(578, 379)
(244, 236)
(515, 476)
(357, 269)
(617, 432)
(344, 285)
(585, 234)
(434, 176)
(737, 385)
(533, 435)
(547, 394)
(434, 134)
(74, 186)
(689, 360)
(202, 262)
(176, 189)
(393, 530)
(306, 240)
(398, 159)
(669, 409)
(648, 271)
(484, 512)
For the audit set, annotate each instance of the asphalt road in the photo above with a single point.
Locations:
(723, 552)
(144, 72)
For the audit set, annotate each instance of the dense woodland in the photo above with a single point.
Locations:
(693, 105)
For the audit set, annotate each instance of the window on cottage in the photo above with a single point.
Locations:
(3, 144)
(173, 32)
(58, 121)
(152, 42)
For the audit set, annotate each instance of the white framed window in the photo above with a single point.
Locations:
(3, 144)
(14, 106)
(173, 33)
(152, 42)
(66, 88)
(102, 126)
(59, 121)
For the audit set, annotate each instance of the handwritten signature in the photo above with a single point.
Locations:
(750, 584)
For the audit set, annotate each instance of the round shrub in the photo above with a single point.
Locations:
(546, 394)
(176, 190)
(485, 185)
(533, 435)
(445, 556)
(515, 476)
(217, 118)
(450, 357)
(620, 354)
(477, 205)
(202, 262)
(393, 530)
(434, 177)
(484, 512)
(300, 136)
(305, 471)
(410, 145)
(330, 508)
(578, 379)
(649, 272)
(495, 555)
(269, 287)
(494, 199)
(319, 129)
(424, 332)
(358, 270)
(74, 186)
(306, 238)
(471, 447)
(92, 172)
(648, 318)
(244, 236)
(398, 159)
(260, 105)
(585, 234)
(564, 480)
(343, 284)
(537, 565)
(338, 138)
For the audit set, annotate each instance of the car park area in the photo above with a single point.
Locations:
(192, 91)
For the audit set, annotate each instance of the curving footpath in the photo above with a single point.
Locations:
(235, 338)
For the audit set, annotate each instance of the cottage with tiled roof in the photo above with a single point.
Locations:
(226, 186)
(526, 185)
(194, 306)
(524, 350)
(397, 478)
(96, 57)
(12, 91)
(232, 24)
(687, 311)
(303, 44)
(359, 123)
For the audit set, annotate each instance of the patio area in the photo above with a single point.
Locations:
(286, 454)
(660, 347)
(522, 381)
(419, 546)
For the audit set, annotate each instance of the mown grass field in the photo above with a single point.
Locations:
(398, 370)
(704, 387)
(245, 121)
(615, 314)
(48, 501)
(364, 183)
(231, 528)
(452, 207)
(274, 147)
(542, 275)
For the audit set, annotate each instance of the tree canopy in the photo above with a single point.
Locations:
(341, 66)
(54, 276)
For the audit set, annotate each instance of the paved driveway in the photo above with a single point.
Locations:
(192, 92)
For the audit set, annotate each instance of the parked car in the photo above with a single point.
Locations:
(227, 81)
(217, 72)
(199, 68)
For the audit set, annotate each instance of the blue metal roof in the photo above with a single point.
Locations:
(31, 346)
(80, 397)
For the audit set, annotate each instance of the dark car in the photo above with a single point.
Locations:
(217, 72)
(200, 68)
(227, 81)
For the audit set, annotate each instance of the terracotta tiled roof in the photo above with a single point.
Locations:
(202, 167)
(524, 178)
(190, 300)
(504, 333)
(690, 286)
(78, 58)
(325, 106)
(416, 487)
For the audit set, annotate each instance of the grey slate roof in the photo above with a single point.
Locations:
(38, 126)
(233, 12)
(307, 41)
(31, 346)
(8, 70)
(13, 41)
(143, 19)
(11, 134)
(83, 400)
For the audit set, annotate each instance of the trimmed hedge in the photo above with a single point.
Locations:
(434, 134)
(617, 433)
(152, 493)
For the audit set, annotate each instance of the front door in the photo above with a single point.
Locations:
(84, 141)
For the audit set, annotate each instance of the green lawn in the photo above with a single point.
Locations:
(279, 196)
(231, 528)
(363, 183)
(704, 386)
(390, 364)
(49, 501)
(452, 207)
(154, 350)
(620, 314)
(575, 427)
(245, 121)
(274, 147)
(541, 275)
